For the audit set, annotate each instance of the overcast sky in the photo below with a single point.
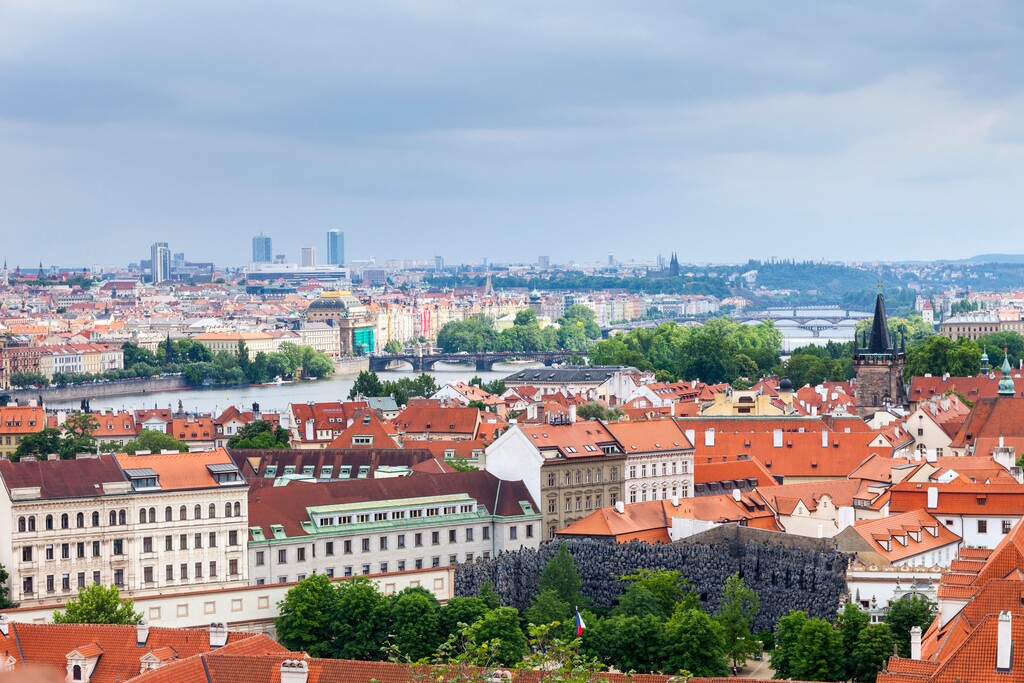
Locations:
(722, 131)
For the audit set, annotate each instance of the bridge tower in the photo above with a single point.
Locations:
(879, 364)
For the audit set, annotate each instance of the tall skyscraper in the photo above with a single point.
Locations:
(335, 247)
(160, 262)
(308, 257)
(262, 250)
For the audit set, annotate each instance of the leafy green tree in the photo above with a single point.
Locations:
(367, 383)
(874, 647)
(993, 344)
(29, 379)
(501, 626)
(525, 318)
(475, 333)
(819, 652)
(668, 588)
(415, 622)
(595, 410)
(736, 612)
(316, 364)
(465, 611)
(154, 441)
(98, 604)
(546, 608)
(496, 387)
(135, 354)
(938, 355)
(393, 346)
(44, 442)
(361, 620)
(578, 313)
(628, 643)
(5, 590)
(637, 601)
(260, 434)
(906, 613)
(306, 618)
(694, 642)
(561, 577)
(489, 595)
(78, 434)
(852, 621)
(787, 638)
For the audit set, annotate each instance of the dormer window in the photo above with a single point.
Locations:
(143, 478)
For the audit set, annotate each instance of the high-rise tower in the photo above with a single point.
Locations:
(159, 262)
(262, 249)
(335, 247)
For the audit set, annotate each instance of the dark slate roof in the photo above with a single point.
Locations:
(62, 478)
(879, 329)
(253, 463)
(286, 505)
(568, 374)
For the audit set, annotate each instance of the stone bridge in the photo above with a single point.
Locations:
(484, 361)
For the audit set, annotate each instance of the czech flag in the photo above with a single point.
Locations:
(579, 624)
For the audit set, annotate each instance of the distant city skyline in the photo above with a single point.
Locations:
(510, 128)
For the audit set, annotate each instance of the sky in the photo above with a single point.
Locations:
(721, 131)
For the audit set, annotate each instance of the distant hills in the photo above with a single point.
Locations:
(988, 258)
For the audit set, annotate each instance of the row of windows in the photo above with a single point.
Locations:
(590, 475)
(120, 517)
(683, 469)
(643, 493)
(415, 513)
(117, 546)
(384, 567)
(183, 575)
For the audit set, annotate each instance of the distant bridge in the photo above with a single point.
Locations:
(484, 361)
(801, 323)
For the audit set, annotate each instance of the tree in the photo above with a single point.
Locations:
(852, 621)
(993, 344)
(736, 612)
(787, 637)
(466, 611)
(393, 346)
(906, 613)
(819, 652)
(78, 435)
(44, 442)
(489, 595)
(578, 313)
(317, 364)
(360, 619)
(595, 410)
(29, 379)
(98, 604)
(501, 626)
(306, 619)
(874, 647)
(938, 355)
(694, 642)
(667, 587)
(5, 590)
(260, 434)
(475, 333)
(525, 318)
(629, 643)
(415, 623)
(367, 383)
(154, 442)
(561, 577)
(546, 608)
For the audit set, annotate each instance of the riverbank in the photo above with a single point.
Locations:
(114, 388)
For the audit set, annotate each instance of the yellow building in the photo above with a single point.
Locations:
(255, 342)
(17, 422)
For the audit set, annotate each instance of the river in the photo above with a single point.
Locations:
(276, 398)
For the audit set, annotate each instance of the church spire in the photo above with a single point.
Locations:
(880, 329)
(1006, 386)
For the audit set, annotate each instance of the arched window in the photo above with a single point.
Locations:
(113, 518)
(213, 510)
(22, 524)
(198, 512)
(80, 520)
(95, 519)
(76, 672)
(168, 514)
(142, 516)
(32, 523)
(64, 521)
(238, 509)
(152, 515)
(182, 513)
(122, 517)
(49, 522)
(227, 509)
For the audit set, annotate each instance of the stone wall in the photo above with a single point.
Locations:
(788, 573)
(126, 387)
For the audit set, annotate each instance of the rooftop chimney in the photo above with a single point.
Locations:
(294, 671)
(933, 497)
(709, 437)
(931, 456)
(4, 627)
(309, 430)
(620, 507)
(737, 495)
(915, 642)
(675, 501)
(142, 631)
(824, 439)
(1004, 641)
(777, 438)
(572, 413)
(218, 635)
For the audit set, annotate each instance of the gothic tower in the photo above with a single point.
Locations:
(879, 364)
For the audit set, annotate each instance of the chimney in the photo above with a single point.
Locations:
(675, 501)
(933, 497)
(572, 413)
(531, 412)
(777, 438)
(737, 495)
(814, 411)
(142, 631)
(709, 437)
(691, 436)
(310, 435)
(915, 642)
(218, 635)
(294, 671)
(620, 507)
(4, 626)
(1004, 641)
(931, 456)
(824, 439)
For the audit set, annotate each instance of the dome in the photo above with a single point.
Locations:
(786, 384)
(535, 295)
(335, 301)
